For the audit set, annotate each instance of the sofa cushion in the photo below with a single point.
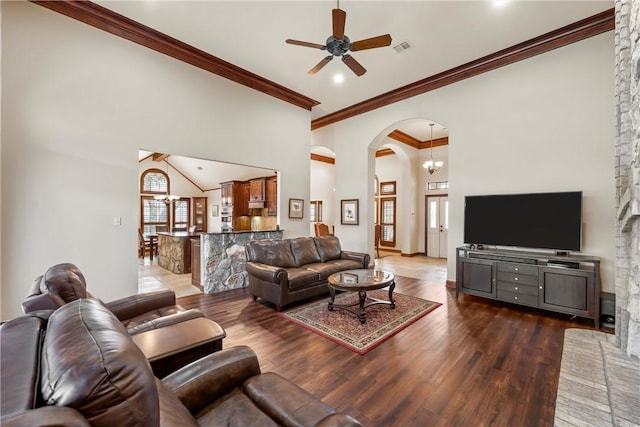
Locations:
(304, 251)
(234, 409)
(272, 252)
(328, 247)
(66, 280)
(301, 277)
(90, 363)
(324, 269)
(346, 264)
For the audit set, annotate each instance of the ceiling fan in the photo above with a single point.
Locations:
(338, 44)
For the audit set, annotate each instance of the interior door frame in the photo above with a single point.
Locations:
(426, 218)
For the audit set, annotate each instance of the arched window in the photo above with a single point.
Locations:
(154, 181)
(154, 214)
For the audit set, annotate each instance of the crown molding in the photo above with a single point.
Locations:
(385, 152)
(128, 29)
(580, 30)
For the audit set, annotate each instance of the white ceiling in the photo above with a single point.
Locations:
(208, 174)
(443, 35)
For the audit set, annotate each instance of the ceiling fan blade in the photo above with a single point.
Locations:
(321, 64)
(373, 42)
(354, 65)
(305, 44)
(339, 19)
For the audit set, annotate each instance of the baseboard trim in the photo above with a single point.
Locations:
(412, 254)
(451, 284)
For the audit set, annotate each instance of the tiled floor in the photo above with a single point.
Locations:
(151, 277)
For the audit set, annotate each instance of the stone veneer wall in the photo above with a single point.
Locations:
(223, 259)
(627, 92)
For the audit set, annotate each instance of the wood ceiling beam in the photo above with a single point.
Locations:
(158, 157)
(580, 30)
(325, 159)
(128, 29)
(385, 152)
(405, 138)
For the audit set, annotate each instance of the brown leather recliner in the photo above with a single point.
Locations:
(78, 366)
(64, 283)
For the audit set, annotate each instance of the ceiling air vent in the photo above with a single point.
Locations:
(402, 46)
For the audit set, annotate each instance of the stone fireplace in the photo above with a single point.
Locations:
(627, 92)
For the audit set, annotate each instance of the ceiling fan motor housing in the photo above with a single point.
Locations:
(338, 47)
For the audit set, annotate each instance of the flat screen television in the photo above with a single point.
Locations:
(540, 220)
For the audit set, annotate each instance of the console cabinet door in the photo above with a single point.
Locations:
(478, 277)
(567, 291)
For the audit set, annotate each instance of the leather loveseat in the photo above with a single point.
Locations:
(64, 283)
(78, 366)
(290, 270)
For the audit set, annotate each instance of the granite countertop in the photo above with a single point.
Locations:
(178, 234)
(245, 231)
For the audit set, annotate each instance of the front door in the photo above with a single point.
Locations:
(437, 226)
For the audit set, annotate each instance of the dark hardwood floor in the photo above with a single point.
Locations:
(470, 362)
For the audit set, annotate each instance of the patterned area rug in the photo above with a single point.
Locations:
(345, 329)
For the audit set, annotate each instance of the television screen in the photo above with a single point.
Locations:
(542, 220)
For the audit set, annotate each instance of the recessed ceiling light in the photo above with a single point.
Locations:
(338, 78)
(500, 2)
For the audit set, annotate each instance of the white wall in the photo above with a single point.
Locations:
(543, 124)
(77, 103)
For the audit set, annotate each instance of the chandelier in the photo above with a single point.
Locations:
(430, 165)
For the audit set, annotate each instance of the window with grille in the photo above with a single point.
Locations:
(154, 181)
(181, 214)
(440, 185)
(388, 221)
(388, 188)
(154, 213)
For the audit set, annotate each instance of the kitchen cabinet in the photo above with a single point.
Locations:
(271, 195)
(200, 214)
(256, 190)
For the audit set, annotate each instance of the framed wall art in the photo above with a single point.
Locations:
(296, 208)
(349, 212)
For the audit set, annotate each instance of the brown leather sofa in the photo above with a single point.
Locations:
(290, 270)
(78, 366)
(64, 283)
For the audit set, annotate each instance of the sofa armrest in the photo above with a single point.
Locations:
(338, 419)
(46, 416)
(163, 321)
(207, 379)
(135, 305)
(268, 273)
(356, 256)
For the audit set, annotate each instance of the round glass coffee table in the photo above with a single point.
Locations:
(361, 281)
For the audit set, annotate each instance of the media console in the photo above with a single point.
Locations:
(563, 284)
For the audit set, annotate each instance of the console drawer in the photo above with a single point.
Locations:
(530, 270)
(530, 300)
(518, 288)
(518, 278)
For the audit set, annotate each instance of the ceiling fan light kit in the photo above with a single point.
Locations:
(338, 44)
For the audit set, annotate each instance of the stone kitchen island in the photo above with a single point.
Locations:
(223, 258)
(174, 251)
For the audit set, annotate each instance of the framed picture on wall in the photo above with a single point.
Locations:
(214, 210)
(349, 212)
(296, 208)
